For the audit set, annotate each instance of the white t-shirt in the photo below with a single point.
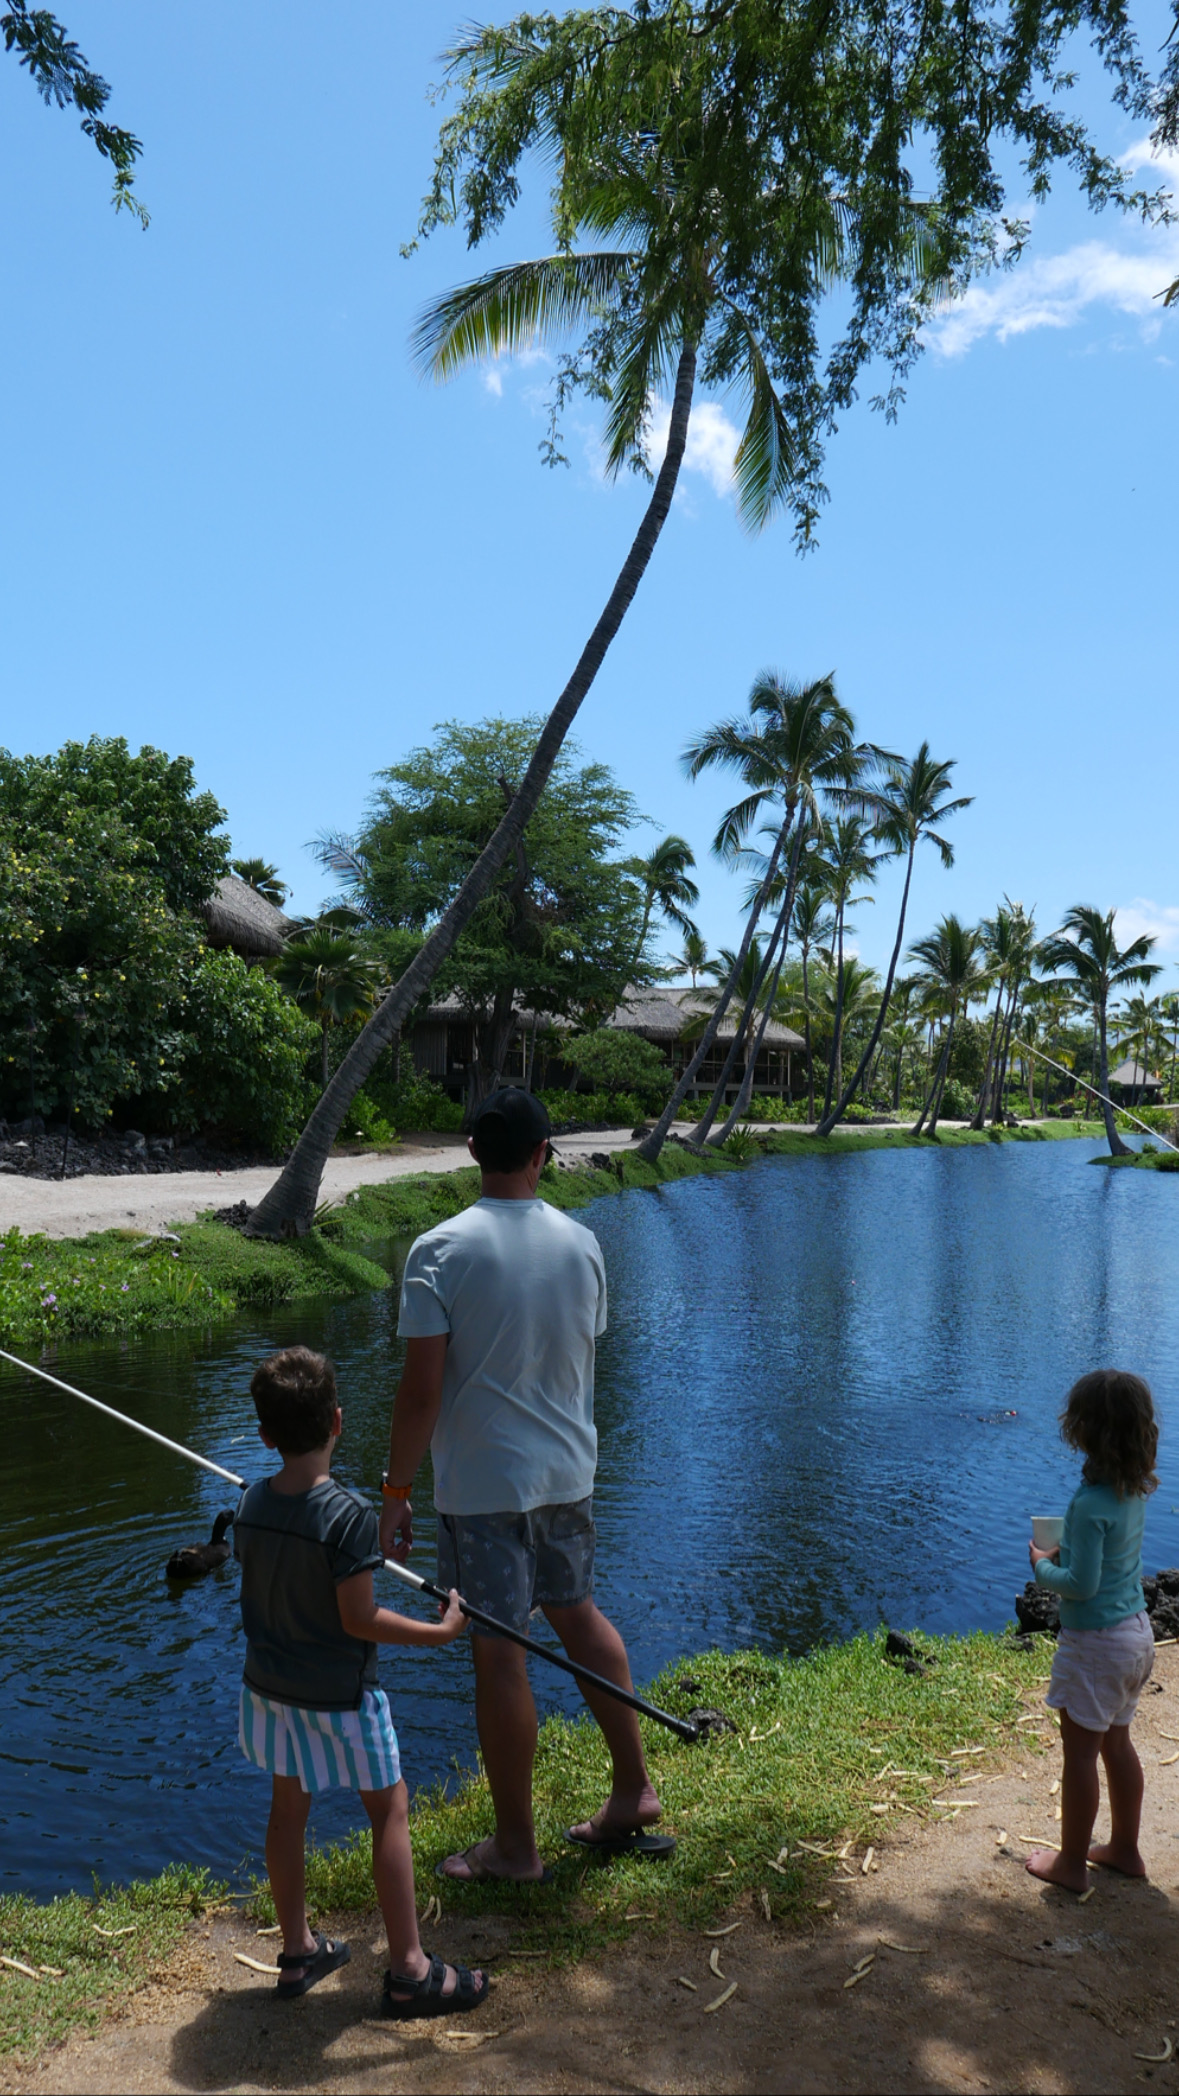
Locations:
(521, 1289)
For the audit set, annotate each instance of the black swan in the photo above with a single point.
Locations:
(198, 1558)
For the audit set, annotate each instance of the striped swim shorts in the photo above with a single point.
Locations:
(325, 1749)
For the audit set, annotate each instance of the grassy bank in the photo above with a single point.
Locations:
(121, 1282)
(830, 1752)
(83, 1953)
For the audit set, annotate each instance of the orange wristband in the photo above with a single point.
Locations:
(389, 1491)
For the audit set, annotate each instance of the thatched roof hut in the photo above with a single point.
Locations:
(1132, 1077)
(661, 1015)
(238, 917)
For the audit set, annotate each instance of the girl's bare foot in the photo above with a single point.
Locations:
(1116, 1857)
(1052, 1867)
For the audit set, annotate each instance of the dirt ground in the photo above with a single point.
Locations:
(1003, 1984)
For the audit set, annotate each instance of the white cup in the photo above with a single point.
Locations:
(1047, 1530)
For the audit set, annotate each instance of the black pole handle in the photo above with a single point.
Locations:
(684, 1728)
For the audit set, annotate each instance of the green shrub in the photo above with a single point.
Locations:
(365, 1123)
(617, 1062)
(595, 1109)
(243, 1055)
(957, 1103)
(415, 1101)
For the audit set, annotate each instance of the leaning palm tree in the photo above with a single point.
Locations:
(950, 956)
(688, 270)
(665, 879)
(797, 745)
(331, 977)
(814, 927)
(1170, 1010)
(912, 798)
(846, 860)
(1086, 949)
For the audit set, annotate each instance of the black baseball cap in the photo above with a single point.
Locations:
(507, 1128)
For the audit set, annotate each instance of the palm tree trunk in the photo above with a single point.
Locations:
(806, 1027)
(649, 1150)
(780, 941)
(324, 1023)
(933, 1096)
(848, 1092)
(289, 1207)
(980, 1111)
(1117, 1148)
(835, 1058)
(741, 1035)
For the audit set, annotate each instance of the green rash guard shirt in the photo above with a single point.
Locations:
(294, 1549)
(1099, 1578)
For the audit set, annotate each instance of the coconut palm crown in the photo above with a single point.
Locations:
(1086, 948)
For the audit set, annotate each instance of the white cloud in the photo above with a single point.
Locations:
(1156, 921)
(1053, 291)
(711, 446)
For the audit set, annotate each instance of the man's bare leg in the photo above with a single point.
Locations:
(591, 1639)
(505, 1716)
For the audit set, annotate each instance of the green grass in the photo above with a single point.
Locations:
(805, 1766)
(89, 1969)
(118, 1281)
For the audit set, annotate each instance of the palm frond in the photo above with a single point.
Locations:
(766, 457)
(510, 308)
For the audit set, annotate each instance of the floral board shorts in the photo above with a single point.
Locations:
(510, 1564)
(1098, 1675)
(325, 1749)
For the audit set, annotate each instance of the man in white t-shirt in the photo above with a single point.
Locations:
(500, 1311)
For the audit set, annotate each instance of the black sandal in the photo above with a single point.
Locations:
(426, 1997)
(316, 1965)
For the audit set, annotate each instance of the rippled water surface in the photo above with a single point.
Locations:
(828, 1395)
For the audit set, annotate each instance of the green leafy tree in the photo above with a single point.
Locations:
(1141, 1033)
(60, 74)
(845, 859)
(615, 1061)
(723, 174)
(913, 796)
(105, 857)
(561, 928)
(1086, 949)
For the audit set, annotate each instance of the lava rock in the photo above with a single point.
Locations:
(1168, 1582)
(1038, 1611)
(710, 1724)
(688, 1686)
(1164, 1619)
(898, 1647)
(237, 1216)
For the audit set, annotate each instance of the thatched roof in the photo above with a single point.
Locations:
(662, 1014)
(1131, 1073)
(239, 917)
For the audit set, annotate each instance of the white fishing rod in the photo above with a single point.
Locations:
(1025, 1048)
(685, 1728)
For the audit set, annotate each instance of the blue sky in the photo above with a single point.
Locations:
(239, 526)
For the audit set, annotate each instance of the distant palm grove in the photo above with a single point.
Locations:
(135, 995)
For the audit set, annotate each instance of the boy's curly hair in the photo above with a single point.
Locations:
(1109, 1417)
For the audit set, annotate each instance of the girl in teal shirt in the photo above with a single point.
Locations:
(1105, 1651)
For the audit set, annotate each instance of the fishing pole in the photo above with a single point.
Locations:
(1025, 1048)
(684, 1728)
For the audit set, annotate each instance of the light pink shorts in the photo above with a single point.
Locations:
(1098, 1675)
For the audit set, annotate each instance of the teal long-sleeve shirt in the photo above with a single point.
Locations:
(1099, 1577)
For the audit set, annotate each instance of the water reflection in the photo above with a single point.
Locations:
(828, 1395)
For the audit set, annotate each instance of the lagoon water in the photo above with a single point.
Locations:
(827, 1398)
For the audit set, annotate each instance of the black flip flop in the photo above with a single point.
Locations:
(426, 1997)
(651, 1847)
(316, 1966)
(481, 1876)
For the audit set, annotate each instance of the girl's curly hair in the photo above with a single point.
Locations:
(1109, 1417)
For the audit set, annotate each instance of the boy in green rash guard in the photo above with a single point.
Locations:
(1105, 1652)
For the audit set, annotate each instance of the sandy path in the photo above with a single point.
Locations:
(153, 1201)
(1017, 1987)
